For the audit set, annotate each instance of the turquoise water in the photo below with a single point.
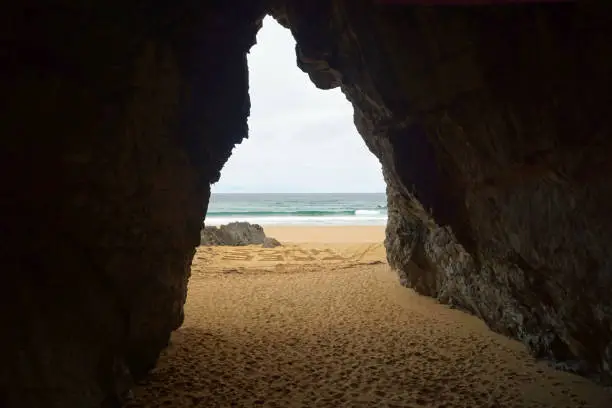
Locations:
(298, 209)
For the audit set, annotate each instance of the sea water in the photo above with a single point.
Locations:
(298, 209)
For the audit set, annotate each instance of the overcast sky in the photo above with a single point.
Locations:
(301, 139)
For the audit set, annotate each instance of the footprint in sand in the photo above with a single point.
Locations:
(347, 336)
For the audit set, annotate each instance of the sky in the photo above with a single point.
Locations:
(301, 139)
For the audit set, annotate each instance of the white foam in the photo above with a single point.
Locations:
(366, 219)
(367, 212)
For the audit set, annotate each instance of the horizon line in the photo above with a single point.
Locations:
(298, 192)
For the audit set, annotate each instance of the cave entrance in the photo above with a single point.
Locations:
(304, 164)
(305, 175)
(314, 322)
(257, 316)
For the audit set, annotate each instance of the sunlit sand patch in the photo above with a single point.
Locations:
(327, 325)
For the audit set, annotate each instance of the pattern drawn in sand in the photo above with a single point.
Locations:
(294, 330)
(219, 259)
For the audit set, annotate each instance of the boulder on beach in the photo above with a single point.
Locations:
(235, 234)
(270, 243)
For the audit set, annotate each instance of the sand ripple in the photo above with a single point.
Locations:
(339, 332)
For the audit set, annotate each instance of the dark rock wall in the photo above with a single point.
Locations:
(490, 124)
(117, 118)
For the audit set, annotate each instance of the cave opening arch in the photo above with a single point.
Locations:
(104, 212)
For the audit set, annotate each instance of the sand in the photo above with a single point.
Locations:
(327, 235)
(324, 323)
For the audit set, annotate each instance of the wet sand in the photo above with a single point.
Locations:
(325, 324)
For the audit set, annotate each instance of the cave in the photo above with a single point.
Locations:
(490, 122)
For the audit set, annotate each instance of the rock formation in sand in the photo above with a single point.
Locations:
(233, 234)
(270, 242)
(490, 124)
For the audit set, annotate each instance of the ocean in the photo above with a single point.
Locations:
(298, 209)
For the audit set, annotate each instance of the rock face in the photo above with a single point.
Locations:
(271, 243)
(491, 124)
(495, 200)
(233, 234)
(115, 129)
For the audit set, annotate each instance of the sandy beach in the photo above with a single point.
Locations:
(328, 234)
(323, 322)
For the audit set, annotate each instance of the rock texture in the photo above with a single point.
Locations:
(494, 142)
(233, 234)
(118, 118)
(271, 243)
(491, 124)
